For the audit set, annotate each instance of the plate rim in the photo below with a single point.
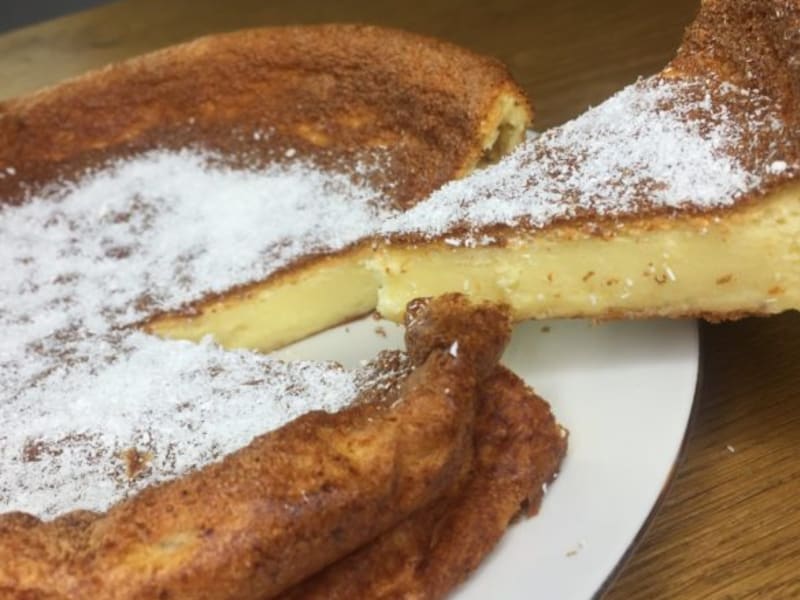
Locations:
(679, 459)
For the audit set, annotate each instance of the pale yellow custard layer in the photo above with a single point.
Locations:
(746, 261)
(282, 310)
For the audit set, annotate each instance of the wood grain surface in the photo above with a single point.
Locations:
(729, 526)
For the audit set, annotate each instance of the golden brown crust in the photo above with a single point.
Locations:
(325, 90)
(518, 448)
(428, 328)
(280, 509)
(752, 43)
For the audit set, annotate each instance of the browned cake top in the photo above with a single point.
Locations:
(754, 44)
(327, 91)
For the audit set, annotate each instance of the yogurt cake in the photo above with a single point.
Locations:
(113, 213)
(604, 217)
(243, 192)
(137, 467)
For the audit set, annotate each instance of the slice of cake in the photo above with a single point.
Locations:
(679, 196)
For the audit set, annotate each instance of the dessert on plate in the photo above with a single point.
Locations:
(246, 190)
(677, 197)
(135, 466)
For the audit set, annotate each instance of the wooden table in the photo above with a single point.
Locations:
(729, 526)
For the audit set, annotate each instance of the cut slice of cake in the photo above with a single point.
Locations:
(677, 197)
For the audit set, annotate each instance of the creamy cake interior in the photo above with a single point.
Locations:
(743, 264)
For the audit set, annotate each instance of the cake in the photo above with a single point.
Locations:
(677, 197)
(246, 190)
(135, 466)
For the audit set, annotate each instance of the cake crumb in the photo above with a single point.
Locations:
(777, 167)
(136, 462)
(581, 545)
(724, 279)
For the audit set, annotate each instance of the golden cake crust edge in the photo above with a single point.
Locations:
(350, 87)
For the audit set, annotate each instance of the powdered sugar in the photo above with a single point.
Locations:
(657, 144)
(83, 263)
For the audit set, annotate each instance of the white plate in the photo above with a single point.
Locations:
(625, 391)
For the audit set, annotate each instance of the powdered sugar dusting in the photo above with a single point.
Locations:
(80, 265)
(176, 404)
(657, 144)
